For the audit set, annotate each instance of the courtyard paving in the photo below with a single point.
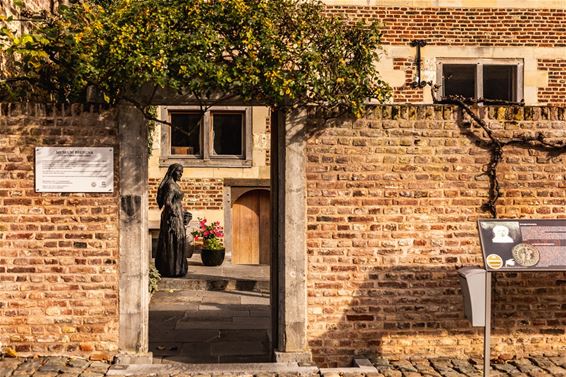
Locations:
(196, 326)
(216, 322)
(216, 314)
(448, 367)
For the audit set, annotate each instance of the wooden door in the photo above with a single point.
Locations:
(251, 229)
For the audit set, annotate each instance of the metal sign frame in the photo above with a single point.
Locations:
(504, 238)
(74, 169)
(523, 245)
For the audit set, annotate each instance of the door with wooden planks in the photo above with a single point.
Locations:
(251, 228)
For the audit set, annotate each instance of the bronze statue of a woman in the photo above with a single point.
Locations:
(171, 260)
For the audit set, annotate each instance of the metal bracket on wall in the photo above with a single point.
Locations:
(418, 83)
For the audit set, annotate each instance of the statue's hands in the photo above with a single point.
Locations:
(187, 216)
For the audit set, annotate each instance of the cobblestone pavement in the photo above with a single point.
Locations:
(52, 366)
(76, 367)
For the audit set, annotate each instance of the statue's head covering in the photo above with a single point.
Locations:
(163, 186)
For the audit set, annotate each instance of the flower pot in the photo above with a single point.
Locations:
(212, 257)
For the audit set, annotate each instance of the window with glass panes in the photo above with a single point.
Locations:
(490, 79)
(217, 137)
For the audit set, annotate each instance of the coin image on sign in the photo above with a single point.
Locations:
(525, 255)
(494, 261)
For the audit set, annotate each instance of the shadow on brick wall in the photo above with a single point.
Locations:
(409, 312)
(392, 204)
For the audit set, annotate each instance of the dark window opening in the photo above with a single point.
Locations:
(459, 79)
(499, 82)
(186, 133)
(482, 79)
(228, 133)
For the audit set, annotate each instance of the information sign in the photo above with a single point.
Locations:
(523, 245)
(74, 169)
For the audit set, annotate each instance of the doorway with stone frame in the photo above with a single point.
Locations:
(288, 286)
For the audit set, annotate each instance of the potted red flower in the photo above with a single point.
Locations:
(213, 252)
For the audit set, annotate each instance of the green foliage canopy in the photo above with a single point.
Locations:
(276, 52)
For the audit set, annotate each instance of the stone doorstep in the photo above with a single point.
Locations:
(361, 367)
(242, 368)
(215, 283)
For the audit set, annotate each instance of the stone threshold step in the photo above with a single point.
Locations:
(214, 283)
(235, 368)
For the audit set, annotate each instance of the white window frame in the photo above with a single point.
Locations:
(480, 62)
(207, 157)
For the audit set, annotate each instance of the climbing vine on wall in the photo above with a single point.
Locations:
(496, 144)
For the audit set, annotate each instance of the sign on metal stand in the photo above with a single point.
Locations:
(487, 327)
(510, 245)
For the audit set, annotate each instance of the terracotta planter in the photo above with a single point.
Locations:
(212, 257)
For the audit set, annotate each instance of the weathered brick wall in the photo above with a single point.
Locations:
(555, 93)
(200, 193)
(406, 93)
(392, 206)
(464, 26)
(472, 27)
(58, 252)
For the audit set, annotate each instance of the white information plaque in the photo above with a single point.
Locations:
(74, 169)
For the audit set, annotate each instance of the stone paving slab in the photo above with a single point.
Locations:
(187, 326)
(51, 367)
(412, 367)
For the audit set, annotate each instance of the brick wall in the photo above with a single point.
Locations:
(392, 204)
(555, 93)
(58, 252)
(464, 26)
(407, 93)
(200, 193)
(473, 27)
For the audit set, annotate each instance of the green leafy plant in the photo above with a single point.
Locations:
(154, 278)
(283, 54)
(210, 234)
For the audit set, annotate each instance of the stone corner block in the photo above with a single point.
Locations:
(125, 358)
(293, 357)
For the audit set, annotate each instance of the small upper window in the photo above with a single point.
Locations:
(459, 79)
(186, 133)
(500, 82)
(490, 79)
(228, 129)
(219, 137)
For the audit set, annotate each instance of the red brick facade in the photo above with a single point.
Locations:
(464, 26)
(58, 252)
(406, 93)
(200, 193)
(555, 93)
(473, 27)
(392, 205)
